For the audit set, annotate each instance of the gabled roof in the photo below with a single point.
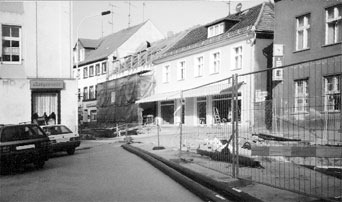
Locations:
(90, 43)
(260, 18)
(108, 44)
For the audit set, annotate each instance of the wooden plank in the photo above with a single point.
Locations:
(298, 151)
(329, 152)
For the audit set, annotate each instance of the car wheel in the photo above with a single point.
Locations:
(39, 163)
(71, 151)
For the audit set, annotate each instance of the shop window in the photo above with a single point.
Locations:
(301, 95)
(11, 44)
(333, 24)
(45, 107)
(167, 111)
(332, 93)
(303, 32)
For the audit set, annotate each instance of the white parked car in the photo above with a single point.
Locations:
(62, 138)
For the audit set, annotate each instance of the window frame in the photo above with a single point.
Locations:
(212, 66)
(306, 29)
(98, 69)
(304, 96)
(337, 18)
(11, 38)
(104, 67)
(85, 72)
(166, 73)
(239, 55)
(91, 71)
(335, 91)
(198, 66)
(85, 93)
(181, 70)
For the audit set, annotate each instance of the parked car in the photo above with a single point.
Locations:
(62, 138)
(23, 144)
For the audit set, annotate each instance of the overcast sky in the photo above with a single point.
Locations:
(167, 16)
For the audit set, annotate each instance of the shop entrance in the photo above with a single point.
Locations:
(46, 107)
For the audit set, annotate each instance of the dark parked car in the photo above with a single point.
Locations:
(23, 144)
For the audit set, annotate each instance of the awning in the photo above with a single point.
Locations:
(160, 97)
(213, 89)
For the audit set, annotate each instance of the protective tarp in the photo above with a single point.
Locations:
(116, 98)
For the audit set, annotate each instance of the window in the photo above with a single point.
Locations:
(91, 93)
(333, 26)
(85, 72)
(85, 93)
(303, 32)
(82, 54)
(91, 71)
(78, 73)
(301, 95)
(97, 69)
(215, 64)
(112, 97)
(95, 92)
(216, 30)
(181, 70)
(104, 67)
(11, 43)
(166, 74)
(332, 92)
(199, 66)
(238, 57)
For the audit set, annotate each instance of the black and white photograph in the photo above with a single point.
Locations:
(170, 100)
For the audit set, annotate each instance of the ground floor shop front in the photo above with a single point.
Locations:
(42, 101)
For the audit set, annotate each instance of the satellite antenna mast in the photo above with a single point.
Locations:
(228, 3)
(129, 12)
(112, 23)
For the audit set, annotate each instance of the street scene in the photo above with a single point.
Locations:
(171, 100)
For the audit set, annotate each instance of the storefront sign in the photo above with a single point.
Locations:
(46, 84)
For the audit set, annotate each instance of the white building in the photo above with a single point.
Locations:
(209, 54)
(97, 58)
(36, 62)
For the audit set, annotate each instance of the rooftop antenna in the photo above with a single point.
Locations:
(238, 7)
(143, 4)
(129, 12)
(112, 9)
(228, 3)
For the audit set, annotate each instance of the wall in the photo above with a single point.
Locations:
(285, 29)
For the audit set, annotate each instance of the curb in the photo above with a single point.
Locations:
(201, 191)
(219, 187)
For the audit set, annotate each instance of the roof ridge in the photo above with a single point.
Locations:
(259, 15)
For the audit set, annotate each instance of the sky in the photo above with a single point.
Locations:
(174, 16)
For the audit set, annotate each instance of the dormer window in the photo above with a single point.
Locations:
(216, 29)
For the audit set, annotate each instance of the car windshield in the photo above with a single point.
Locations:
(56, 130)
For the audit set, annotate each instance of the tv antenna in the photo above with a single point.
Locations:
(112, 9)
(129, 12)
(228, 3)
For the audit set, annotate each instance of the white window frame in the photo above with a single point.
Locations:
(306, 31)
(335, 20)
(216, 29)
(91, 73)
(97, 69)
(11, 38)
(215, 63)
(237, 57)
(104, 67)
(85, 72)
(334, 91)
(181, 70)
(166, 73)
(301, 94)
(199, 66)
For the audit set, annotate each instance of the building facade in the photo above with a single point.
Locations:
(36, 77)
(97, 58)
(308, 49)
(195, 74)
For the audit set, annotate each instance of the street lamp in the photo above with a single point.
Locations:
(78, 27)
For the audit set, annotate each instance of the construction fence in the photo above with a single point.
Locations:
(280, 127)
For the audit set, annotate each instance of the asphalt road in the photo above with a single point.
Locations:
(100, 172)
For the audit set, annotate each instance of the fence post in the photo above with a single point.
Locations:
(117, 130)
(233, 126)
(180, 123)
(236, 97)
